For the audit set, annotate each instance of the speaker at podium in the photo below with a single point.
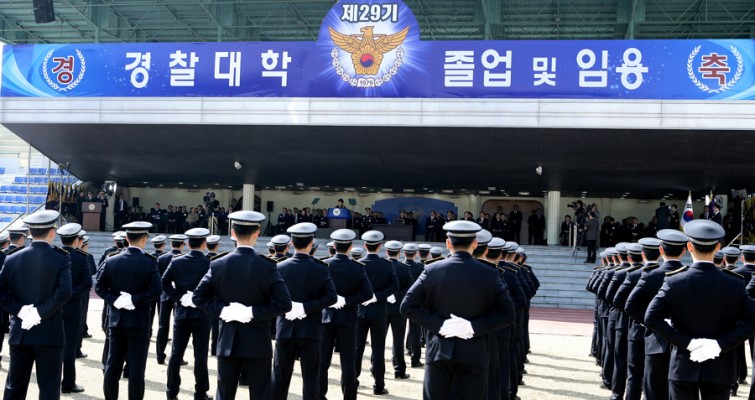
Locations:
(339, 218)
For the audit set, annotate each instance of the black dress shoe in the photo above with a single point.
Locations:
(743, 381)
(74, 389)
(379, 391)
(524, 371)
(184, 362)
(202, 397)
(526, 360)
(606, 386)
(418, 364)
(81, 355)
(733, 392)
(161, 361)
(401, 375)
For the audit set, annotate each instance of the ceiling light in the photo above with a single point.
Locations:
(180, 183)
(524, 193)
(484, 192)
(447, 191)
(491, 187)
(299, 184)
(280, 187)
(408, 190)
(315, 188)
(386, 190)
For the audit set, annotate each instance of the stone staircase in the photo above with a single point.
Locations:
(562, 276)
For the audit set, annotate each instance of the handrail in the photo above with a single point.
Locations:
(735, 239)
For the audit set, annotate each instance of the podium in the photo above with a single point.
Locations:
(339, 218)
(91, 211)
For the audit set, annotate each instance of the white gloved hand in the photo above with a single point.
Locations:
(297, 311)
(339, 304)
(457, 327)
(128, 303)
(24, 311)
(709, 350)
(694, 344)
(32, 319)
(391, 299)
(225, 314)
(370, 301)
(186, 300)
(241, 313)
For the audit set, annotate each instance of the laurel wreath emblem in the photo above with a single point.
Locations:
(726, 86)
(71, 85)
(355, 82)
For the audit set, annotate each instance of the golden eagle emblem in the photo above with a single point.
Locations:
(367, 49)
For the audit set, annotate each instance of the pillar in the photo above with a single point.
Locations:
(248, 194)
(552, 220)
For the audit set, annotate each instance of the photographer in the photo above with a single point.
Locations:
(591, 232)
(580, 214)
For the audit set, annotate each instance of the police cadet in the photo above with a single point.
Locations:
(657, 349)
(280, 245)
(4, 317)
(357, 253)
(414, 343)
(516, 348)
(731, 255)
(213, 244)
(117, 244)
(718, 259)
(313, 250)
(299, 332)
(179, 280)
(459, 332)
(167, 304)
(270, 248)
(396, 321)
(506, 337)
(81, 284)
(35, 282)
(158, 242)
(641, 254)
(340, 319)
(331, 248)
(424, 252)
(747, 270)
(17, 235)
(705, 313)
(373, 313)
(608, 320)
(535, 285)
(246, 292)
(596, 334)
(128, 282)
(620, 324)
(92, 269)
(436, 252)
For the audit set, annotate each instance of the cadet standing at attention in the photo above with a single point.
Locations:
(709, 313)
(459, 332)
(246, 292)
(35, 283)
(298, 332)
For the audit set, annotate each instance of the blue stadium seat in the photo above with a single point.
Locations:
(4, 208)
(22, 189)
(15, 189)
(36, 180)
(18, 179)
(22, 209)
(42, 171)
(8, 198)
(5, 188)
(7, 219)
(19, 199)
(2, 170)
(14, 209)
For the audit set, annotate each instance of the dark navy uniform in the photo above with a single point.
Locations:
(183, 275)
(621, 327)
(165, 308)
(81, 282)
(396, 321)
(310, 284)
(134, 272)
(373, 318)
(487, 306)
(657, 349)
(507, 344)
(415, 331)
(340, 325)
(244, 277)
(40, 275)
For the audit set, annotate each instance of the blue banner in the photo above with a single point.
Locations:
(371, 48)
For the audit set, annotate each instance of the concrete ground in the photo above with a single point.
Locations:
(559, 367)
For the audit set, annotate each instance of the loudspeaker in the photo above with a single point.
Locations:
(43, 11)
(135, 202)
(270, 206)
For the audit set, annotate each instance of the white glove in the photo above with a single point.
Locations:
(186, 300)
(391, 299)
(370, 301)
(297, 311)
(695, 344)
(457, 327)
(32, 319)
(242, 313)
(124, 302)
(225, 314)
(708, 351)
(339, 304)
(24, 312)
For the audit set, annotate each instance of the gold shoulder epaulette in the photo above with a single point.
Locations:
(738, 275)
(486, 262)
(651, 267)
(433, 260)
(405, 264)
(14, 250)
(82, 252)
(507, 268)
(634, 268)
(112, 253)
(216, 256)
(61, 250)
(320, 261)
(358, 262)
(682, 269)
(265, 257)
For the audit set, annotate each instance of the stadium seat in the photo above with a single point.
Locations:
(8, 198)
(36, 180)
(4, 208)
(7, 219)
(19, 199)
(22, 189)
(14, 209)
(5, 189)
(14, 189)
(2, 170)
(18, 179)
(42, 171)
